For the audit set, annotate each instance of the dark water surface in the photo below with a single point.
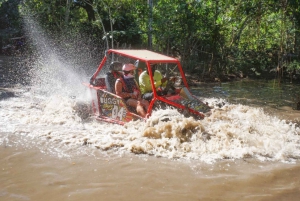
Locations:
(280, 99)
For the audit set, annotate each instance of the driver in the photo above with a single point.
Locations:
(145, 83)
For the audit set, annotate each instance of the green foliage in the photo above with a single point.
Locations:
(2, 1)
(212, 36)
(9, 17)
(294, 65)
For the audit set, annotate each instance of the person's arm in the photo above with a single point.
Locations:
(119, 91)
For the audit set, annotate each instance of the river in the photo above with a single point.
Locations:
(50, 149)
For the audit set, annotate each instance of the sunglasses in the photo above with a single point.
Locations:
(127, 72)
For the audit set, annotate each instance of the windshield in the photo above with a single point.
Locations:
(168, 70)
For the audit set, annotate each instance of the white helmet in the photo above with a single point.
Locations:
(128, 67)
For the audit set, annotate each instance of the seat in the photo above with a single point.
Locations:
(113, 74)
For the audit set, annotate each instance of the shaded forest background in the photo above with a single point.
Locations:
(216, 40)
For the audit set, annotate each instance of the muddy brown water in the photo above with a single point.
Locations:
(32, 175)
(49, 152)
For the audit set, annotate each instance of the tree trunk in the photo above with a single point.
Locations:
(68, 6)
(150, 3)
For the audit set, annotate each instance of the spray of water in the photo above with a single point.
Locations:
(56, 69)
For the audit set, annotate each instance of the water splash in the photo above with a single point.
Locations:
(56, 69)
(231, 132)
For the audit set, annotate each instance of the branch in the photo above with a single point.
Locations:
(101, 21)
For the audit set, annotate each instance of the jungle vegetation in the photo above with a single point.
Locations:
(219, 39)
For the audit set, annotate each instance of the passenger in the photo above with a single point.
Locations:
(145, 83)
(127, 88)
(113, 74)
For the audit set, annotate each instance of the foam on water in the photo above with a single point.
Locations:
(231, 132)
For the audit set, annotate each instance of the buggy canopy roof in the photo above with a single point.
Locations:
(144, 55)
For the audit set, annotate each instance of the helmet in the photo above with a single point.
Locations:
(115, 66)
(128, 67)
